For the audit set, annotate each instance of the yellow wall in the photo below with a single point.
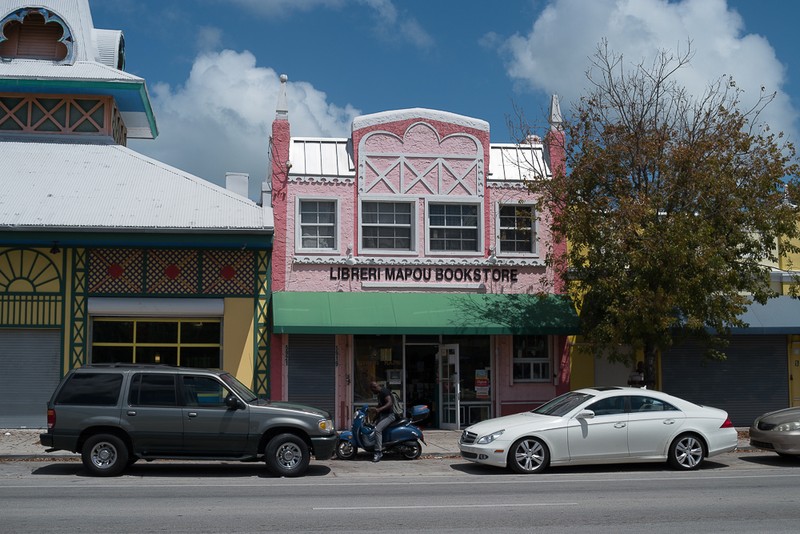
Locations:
(582, 361)
(237, 339)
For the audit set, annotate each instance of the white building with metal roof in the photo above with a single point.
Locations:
(106, 255)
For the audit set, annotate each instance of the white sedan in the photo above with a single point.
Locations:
(600, 426)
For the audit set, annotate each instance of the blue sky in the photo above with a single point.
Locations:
(212, 66)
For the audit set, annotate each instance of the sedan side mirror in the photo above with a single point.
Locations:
(232, 402)
(585, 414)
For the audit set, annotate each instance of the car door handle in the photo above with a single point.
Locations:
(669, 421)
(620, 425)
(192, 414)
(131, 412)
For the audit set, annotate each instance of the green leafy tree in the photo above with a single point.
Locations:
(674, 207)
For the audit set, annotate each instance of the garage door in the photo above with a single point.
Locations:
(752, 380)
(311, 372)
(30, 369)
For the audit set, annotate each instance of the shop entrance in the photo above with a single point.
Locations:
(449, 374)
(452, 377)
(432, 378)
(449, 387)
(421, 380)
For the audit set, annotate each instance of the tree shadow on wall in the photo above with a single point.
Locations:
(517, 313)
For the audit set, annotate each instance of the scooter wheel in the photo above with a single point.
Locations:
(411, 450)
(345, 450)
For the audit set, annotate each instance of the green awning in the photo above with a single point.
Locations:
(421, 313)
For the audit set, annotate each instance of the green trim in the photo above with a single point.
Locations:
(422, 313)
(138, 86)
(261, 331)
(223, 241)
(78, 309)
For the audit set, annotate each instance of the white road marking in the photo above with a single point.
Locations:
(426, 506)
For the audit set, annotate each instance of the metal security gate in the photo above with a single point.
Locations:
(311, 371)
(30, 369)
(752, 380)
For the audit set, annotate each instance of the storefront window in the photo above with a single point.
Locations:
(189, 343)
(531, 359)
(378, 358)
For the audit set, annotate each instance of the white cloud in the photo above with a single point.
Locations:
(208, 38)
(390, 25)
(284, 7)
(554, 55)
(220, 119)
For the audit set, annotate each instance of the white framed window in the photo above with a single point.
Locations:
(387, 225)
(516, 229)
(454, 227)
(532, 359)
(317, 226)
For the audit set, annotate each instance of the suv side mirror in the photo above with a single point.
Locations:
(232, 402)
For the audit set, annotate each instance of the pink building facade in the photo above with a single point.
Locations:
(411, 253)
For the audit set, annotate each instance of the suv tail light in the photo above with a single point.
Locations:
(51, 418)
(727, 424)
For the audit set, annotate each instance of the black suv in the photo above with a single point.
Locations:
(117, 414)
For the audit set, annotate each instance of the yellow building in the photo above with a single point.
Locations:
(108, 256)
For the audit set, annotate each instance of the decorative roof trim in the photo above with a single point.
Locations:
(49, 16)
(369, 261)
(102, 87)
(376, 119)
(329, 180)
(501, 184)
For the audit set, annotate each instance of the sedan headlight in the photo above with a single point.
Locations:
(483, 440)
(326, 425)
(787, 427)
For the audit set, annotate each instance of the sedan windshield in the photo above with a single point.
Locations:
(563, 404)
(240, 389)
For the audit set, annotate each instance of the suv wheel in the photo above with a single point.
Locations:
(104, 455)
(287, 456)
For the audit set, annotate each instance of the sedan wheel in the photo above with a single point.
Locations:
(686, 452)
(528, 455)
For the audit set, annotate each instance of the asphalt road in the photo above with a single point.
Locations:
(731, 493)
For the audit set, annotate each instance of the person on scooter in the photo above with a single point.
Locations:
(385, 416)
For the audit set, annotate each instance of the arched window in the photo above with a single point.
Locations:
(35, 33)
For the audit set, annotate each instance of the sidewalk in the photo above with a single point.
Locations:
(22, 444)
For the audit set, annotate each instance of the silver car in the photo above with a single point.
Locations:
(778, 431)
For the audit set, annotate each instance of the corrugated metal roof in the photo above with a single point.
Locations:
(79, 185)
(332, 157)
(515, 163)
(317, 157)
(83, 71)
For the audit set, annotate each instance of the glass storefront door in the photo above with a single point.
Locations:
(449, 374)
(449, 388)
